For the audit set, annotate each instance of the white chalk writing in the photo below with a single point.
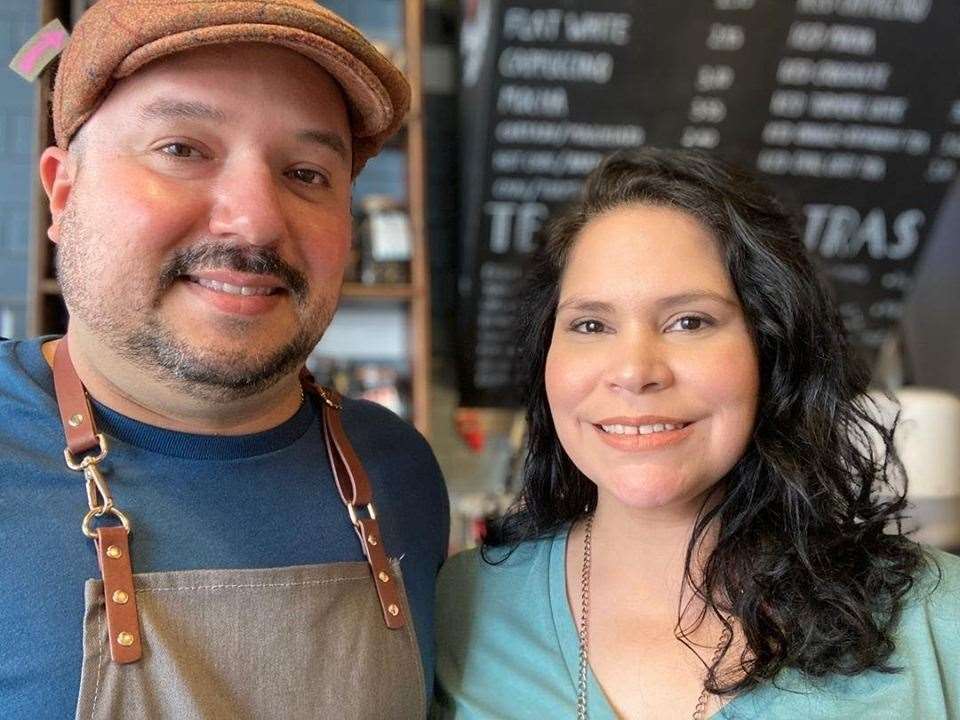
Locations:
(851, 137)
(569, 133)
(914, 11)
(557, 65)
(834, 73)
(821, 37)
(538, 101)
(841, 231)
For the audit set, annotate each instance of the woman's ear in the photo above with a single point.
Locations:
(57, 174)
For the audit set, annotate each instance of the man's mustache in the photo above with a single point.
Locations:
(221, 256)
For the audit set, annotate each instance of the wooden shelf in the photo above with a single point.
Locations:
(49, 286)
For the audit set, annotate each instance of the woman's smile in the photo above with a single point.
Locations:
(642, 433)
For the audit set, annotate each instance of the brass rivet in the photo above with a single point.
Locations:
(383, 577)
(372, 539)
(120, 597)
(114, 552)
(393, 610)
(75, 420)
(125, 639)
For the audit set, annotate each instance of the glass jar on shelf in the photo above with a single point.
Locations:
(385, 241)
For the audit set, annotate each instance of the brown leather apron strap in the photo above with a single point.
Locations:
(355, 491)
(119, 596)
(75, 412)
(352, 480)
(387, 589)
(112, 542)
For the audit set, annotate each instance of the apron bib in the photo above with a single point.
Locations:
(293, 643)
(305, 642)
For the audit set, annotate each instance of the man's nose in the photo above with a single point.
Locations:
(640, 365)
(248, 204)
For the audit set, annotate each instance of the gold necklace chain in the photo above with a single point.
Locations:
(584, 624)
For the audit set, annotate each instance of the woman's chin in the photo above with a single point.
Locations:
(670, 495)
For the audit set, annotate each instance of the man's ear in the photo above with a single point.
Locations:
(58, 170)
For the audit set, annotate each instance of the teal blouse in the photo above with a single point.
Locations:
(507, 650)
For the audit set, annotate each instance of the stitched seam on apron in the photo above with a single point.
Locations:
(96, 689)
(415, 649)
(305, 583)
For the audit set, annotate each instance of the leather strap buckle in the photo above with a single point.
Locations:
(352, 511)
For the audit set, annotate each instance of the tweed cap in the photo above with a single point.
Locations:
(115, 38)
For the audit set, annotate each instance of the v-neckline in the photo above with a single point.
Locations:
(598, 705)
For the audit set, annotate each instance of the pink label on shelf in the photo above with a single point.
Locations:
(40, 50)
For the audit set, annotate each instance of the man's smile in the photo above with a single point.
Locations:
(235, 283)
(236, 293)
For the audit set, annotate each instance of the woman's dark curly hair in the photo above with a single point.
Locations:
(809, 559)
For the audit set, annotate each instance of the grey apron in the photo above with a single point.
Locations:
(314, 641)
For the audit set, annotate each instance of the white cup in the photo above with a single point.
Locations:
(928, 442)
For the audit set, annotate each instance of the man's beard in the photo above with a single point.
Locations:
(211, 374)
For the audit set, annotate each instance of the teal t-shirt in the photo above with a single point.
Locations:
(507, 650)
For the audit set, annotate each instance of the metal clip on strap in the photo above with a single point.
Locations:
(85, 449)
(355, 491)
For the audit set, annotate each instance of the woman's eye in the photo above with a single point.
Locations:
(308, 176)
(690, 323)
(180, 150)
(589, 326)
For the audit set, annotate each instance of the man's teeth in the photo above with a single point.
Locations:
(232, 289)
(640, 429)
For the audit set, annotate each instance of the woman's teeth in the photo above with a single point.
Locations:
(232, 289)
(640, 429)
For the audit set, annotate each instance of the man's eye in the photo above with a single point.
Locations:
(308, 176)
(589, 327)
(180, 150)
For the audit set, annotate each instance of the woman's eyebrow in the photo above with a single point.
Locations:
(598, 306)
(584, 305)
(693, 296)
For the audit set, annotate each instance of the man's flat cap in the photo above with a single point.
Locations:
(115, 38)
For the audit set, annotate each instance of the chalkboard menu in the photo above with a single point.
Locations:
(849, 108)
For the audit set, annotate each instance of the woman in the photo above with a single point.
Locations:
(709, 522)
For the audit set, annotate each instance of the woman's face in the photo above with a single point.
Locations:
(652, 376)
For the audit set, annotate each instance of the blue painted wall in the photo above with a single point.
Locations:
(19, 19)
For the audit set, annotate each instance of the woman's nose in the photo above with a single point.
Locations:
(641, 365)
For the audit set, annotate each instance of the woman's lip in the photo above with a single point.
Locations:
(641, 420)
(637, 443)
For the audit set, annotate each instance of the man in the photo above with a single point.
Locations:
(200, 204)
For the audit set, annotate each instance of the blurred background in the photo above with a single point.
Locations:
(849, 108)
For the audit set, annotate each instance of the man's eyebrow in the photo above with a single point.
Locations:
(326, 138)
(167, 109)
